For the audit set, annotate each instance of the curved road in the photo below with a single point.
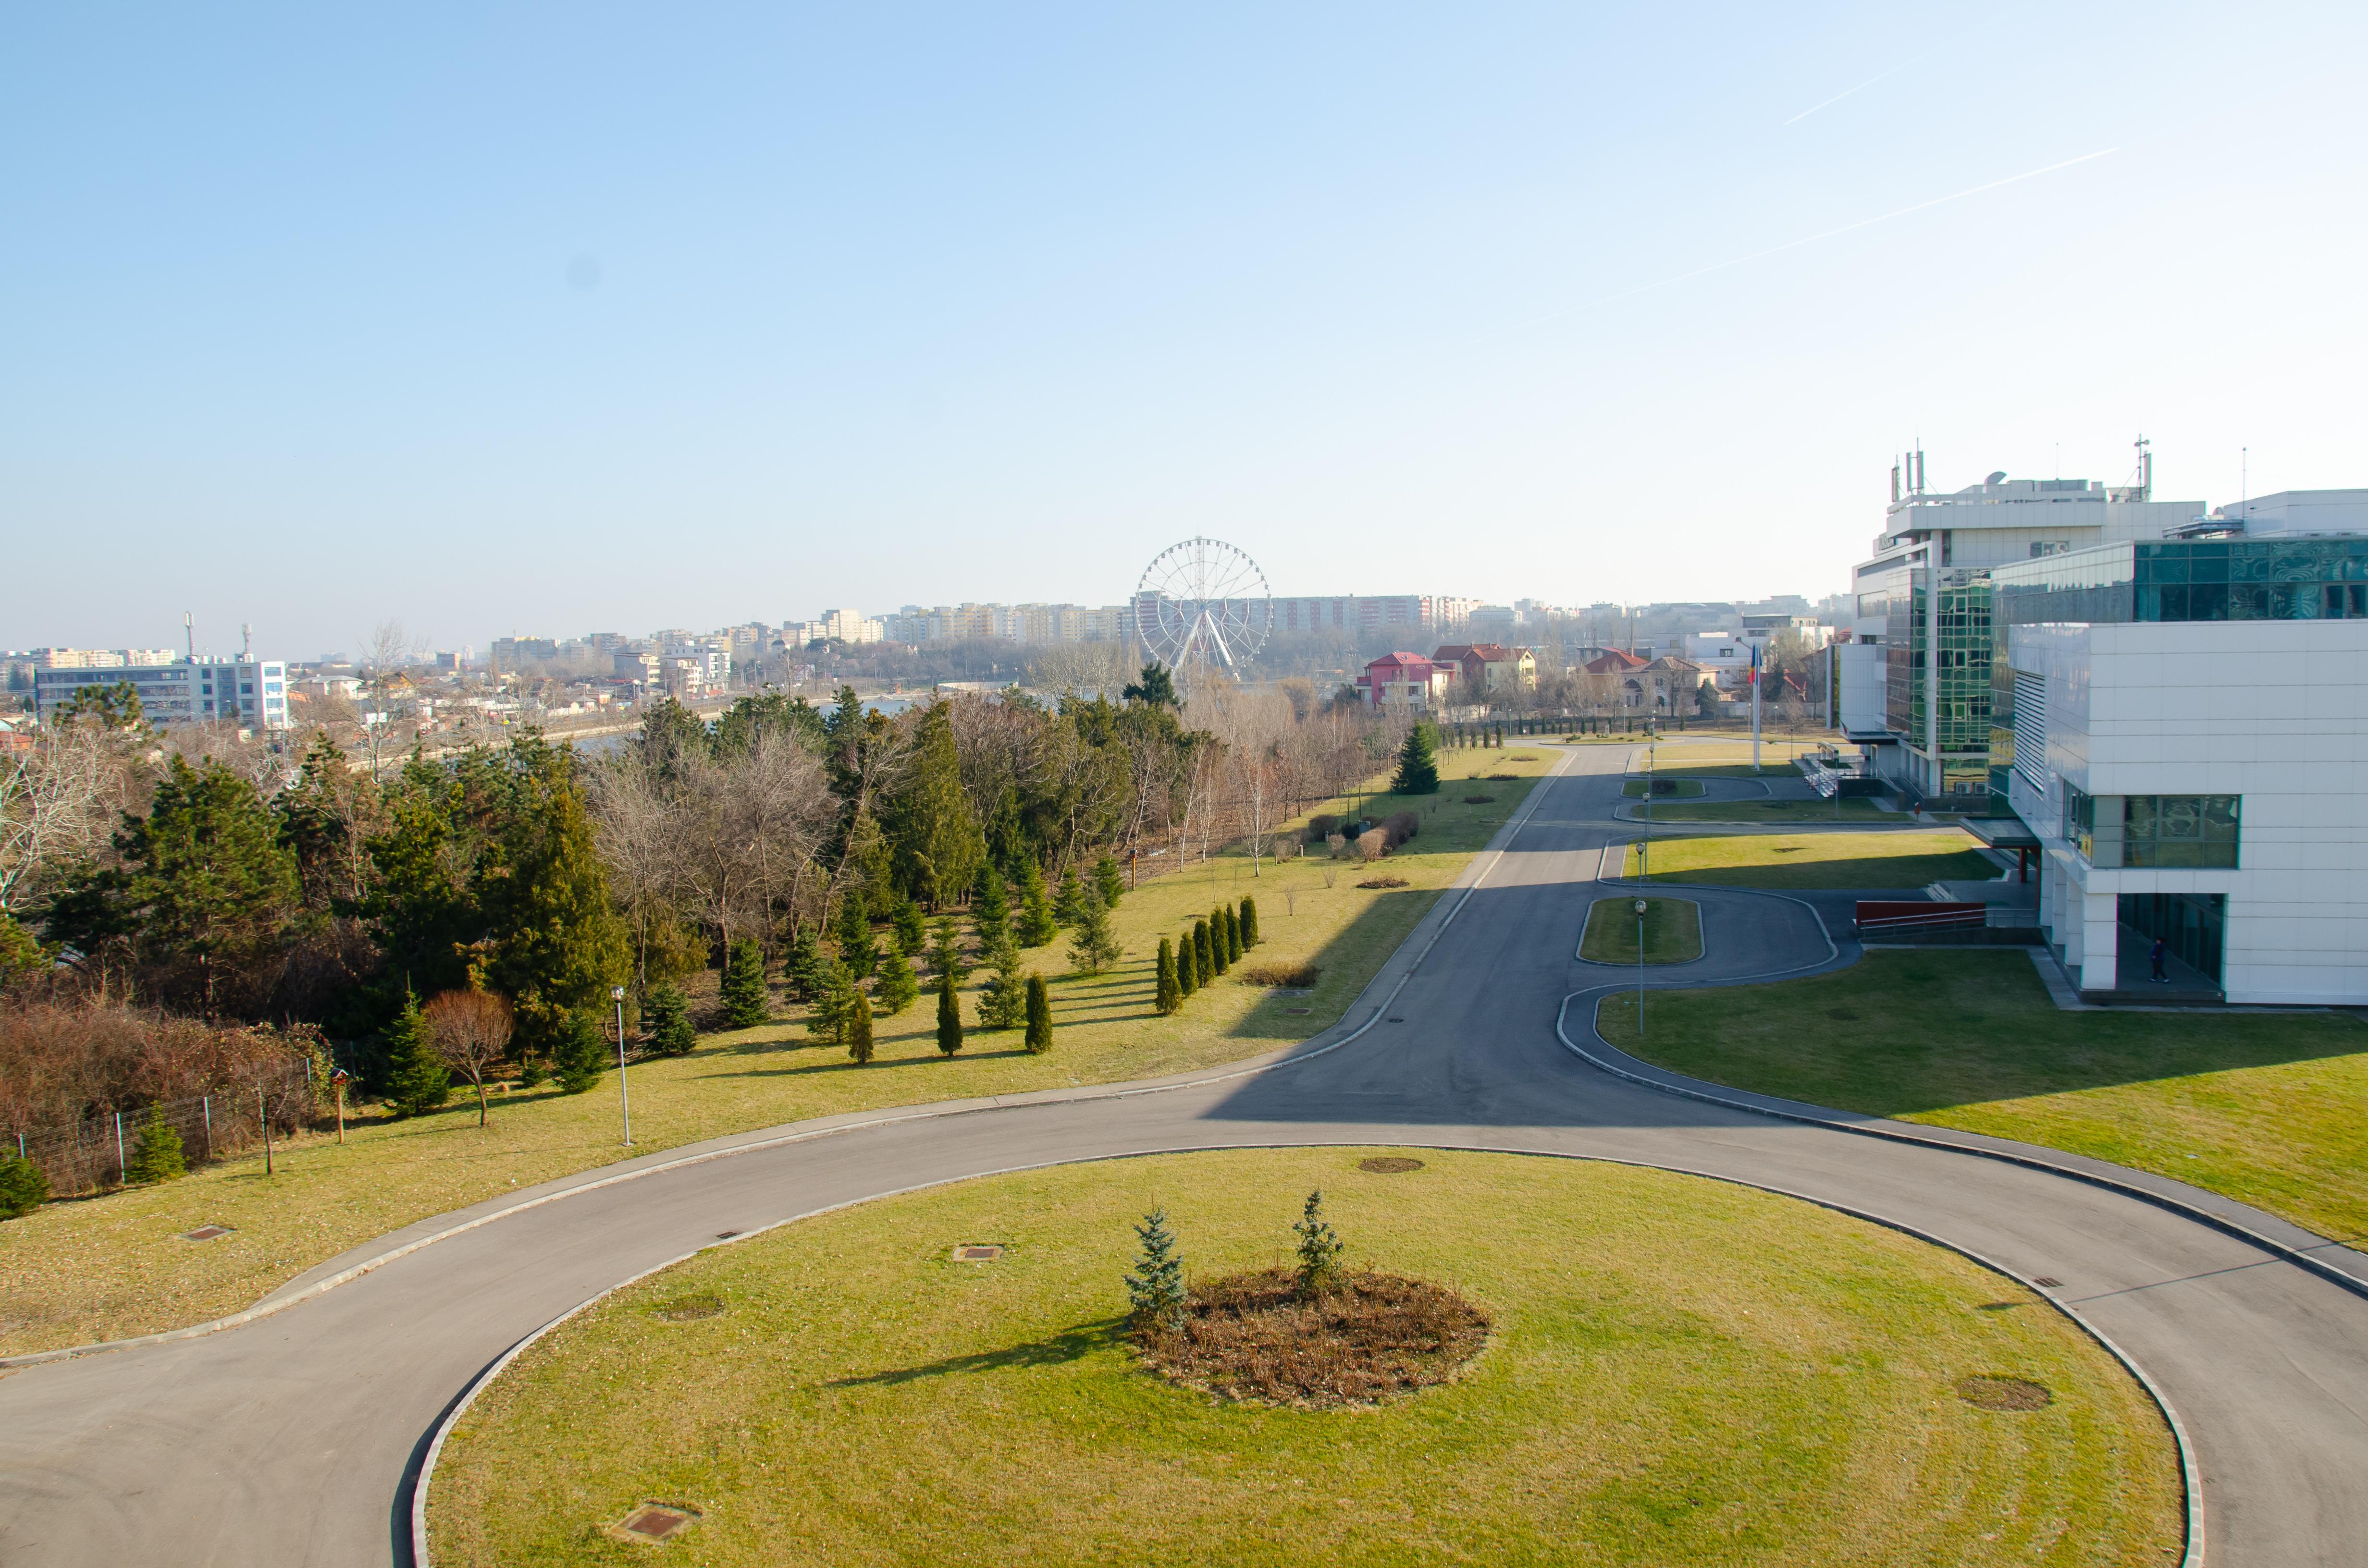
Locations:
(295, 1438)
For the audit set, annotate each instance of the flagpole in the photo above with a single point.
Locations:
(1754, 708)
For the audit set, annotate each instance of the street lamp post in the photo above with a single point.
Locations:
(625, 1100)
(1640, 968)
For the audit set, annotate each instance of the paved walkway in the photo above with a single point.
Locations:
(296, 1439)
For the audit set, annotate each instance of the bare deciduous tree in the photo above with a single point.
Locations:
(58, 799)
(470, 1030)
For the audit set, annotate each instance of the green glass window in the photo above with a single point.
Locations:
(2179, 831)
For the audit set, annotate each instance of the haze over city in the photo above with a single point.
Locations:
(549, 319)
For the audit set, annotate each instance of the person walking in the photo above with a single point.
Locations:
(2155, 957)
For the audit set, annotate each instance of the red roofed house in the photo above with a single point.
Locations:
(1405, 681)
(1615, 662)
(1490, 667)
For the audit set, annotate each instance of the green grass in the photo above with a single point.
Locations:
(2265, 1107)
(1851, 811)
(113, 1267)
(1817, 859)
(1682, 1371)
(1672, 931)
(1635, 788)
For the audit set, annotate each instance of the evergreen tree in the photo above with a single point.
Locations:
(20, 952)
(1069, 904)
(990, 901)
(946, 952)
(582, 1056)
(157, 1155)
(1155, 1291)
(802, 968)
(1095, 948)
(895, 984)
(1156, 687)
(418, 1080)
(670, 1019)
(745, 1002)
(1109, 880)
(1037, 925)
(23, 1187)
(1233, 934)
(949, 1029)
(1040, 1017)
(910, 931)
(853, 929)
(858, 1028)
(1204, 955)
(1002, 1004)
(1417, 764)
(1220, 951)
(1319, 1250)
(834, 1002)
(1249, 923)
(558, 943)
(932, 832)
(1166, 999)
(1187, 971)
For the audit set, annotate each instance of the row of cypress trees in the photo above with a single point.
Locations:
(1201, 954)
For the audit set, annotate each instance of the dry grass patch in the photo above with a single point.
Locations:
(1298, 974)
(1253, 1337)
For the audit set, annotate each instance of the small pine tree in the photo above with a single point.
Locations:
(1155, 1291)
(1109, 880)
(745, 1002)
(1095, 947)
(1249, 924)
(1166, 999)
(949, 1029)
(1002, 1004)
(1204, 955)
(858, 1028)
(802, 968)
(582, 1056)
(946, 951)
(834, 1002)
(1069, 904)
(1319, 1250)
(990, 901)
(157, 1155)
(23, 1187)
(1187, 971)
(853, 930)
(1040, 1017)
(911, 931)
(895, 984)
(1417, 764)
(416, 1079)
(669, 1018)
(1037, 926)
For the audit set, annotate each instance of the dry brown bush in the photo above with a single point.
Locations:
(1251, 1337)
(1296, 971)
(1384, 882)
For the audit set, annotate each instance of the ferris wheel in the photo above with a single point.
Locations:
(1203, 605)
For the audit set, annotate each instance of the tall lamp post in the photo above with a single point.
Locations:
(625, 1100)
(1640, 968)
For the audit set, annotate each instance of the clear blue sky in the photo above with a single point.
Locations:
(574, 317)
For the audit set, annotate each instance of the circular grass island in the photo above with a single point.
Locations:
(1674, 1369)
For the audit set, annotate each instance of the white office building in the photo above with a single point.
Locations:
(250, 693)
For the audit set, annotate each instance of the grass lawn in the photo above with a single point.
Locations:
(1672, 931)
(1786, 1394)
(2263, 1107)
(110, 1266)
(1815, 861)
(1852, 810)
(1686, 788)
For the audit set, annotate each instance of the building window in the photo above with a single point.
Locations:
(2179, 831)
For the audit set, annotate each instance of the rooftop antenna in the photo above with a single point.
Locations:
(2146, 470)
(247, 642)
(189, 630)
(2244, 482)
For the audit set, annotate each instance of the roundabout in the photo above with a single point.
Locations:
(1676, 1369)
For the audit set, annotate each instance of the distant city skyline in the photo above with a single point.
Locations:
(483, 323)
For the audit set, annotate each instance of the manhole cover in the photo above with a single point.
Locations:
(1299, 1010)
(1389, 1165)
(654, 1522)
(2047, 1282)
(2004, 1394)
(687, 1308)
(977, 1252)
(205, 1232)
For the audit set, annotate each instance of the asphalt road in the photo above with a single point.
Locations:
(296, 1439)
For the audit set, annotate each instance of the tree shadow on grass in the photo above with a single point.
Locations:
(1071, 1343)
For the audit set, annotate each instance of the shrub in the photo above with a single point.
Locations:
(1384, 882)
(1205, 954)
(745, 1002)
(1322, 825)
(1166, 997)
(1155, 1291)
(1282, 971)
(23, 1187)
(156, 1154)
(895, 984)
(949, 1029)
(858, 1028)
(417, 1079)
(1233, 934)
(670, 1019)
(1479, 800)
(1187, 971)
(1249, 923)
(1040, 1017)
(582, 1056)
(1398, 828)
(1319, 1250)
(1371, 844)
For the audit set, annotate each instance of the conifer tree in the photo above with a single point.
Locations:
(582, 1056)
(671, 1033)
(1319, 1250)
(1040, 1017)
(911, 932)
(1221, 946)
(745, 1002)
(1232, 935)
(858, 1028)
(895, 984)
(853, 930)
(950, 1027)
(23, 1187)
(1204, 955)
(931, 825)
(990, 899)
(157, 1155)
(546, 891)
(418, 1080)
(1187, 971)
(1037, 925)
(802, 968)
(946, 951)
(1069, 904)
(1155, 1291)
(1417, 764)
(1166, 999)
(1109, 880)
(1003, 1004)
(1095, 948)
(1249, 923)
(834, 1002)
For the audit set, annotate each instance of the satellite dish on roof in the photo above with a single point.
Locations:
(1996, 479)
